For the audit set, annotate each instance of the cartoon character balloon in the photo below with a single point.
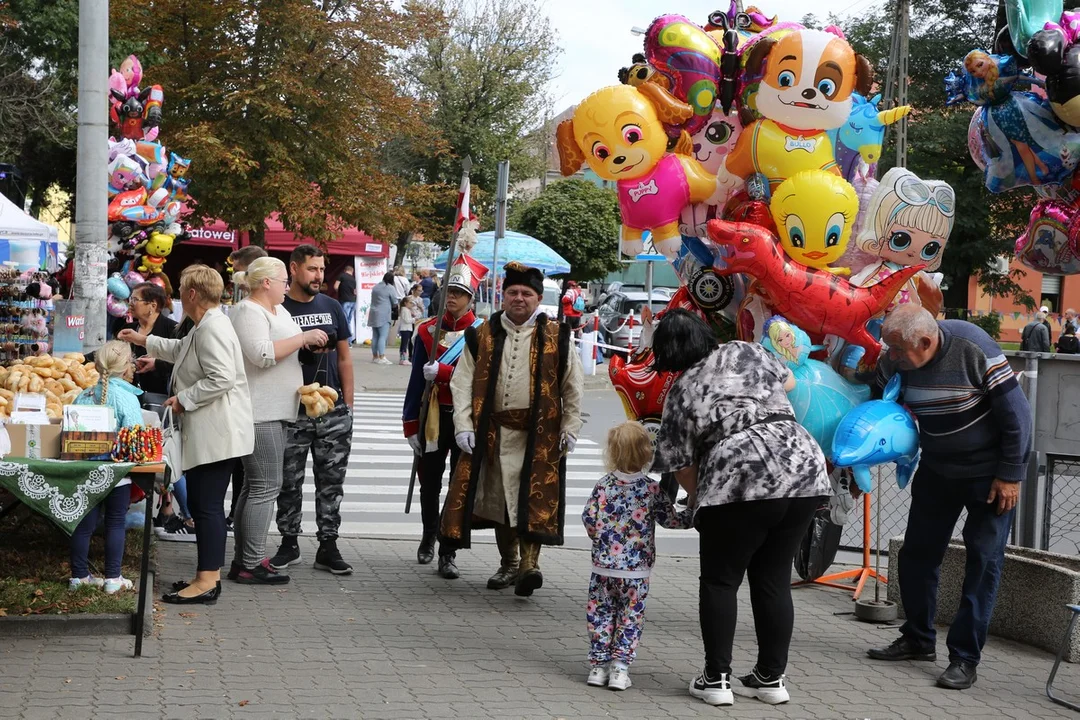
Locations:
(908, 223)
(711, 144)
(806, 90)
(1019, 140)
(814, 211)
(1026, 18)
(815, 300)
(619, 132)
(821, 397)
(875, 433)
(1055, 54)
(860, 139)
(1051, 243)
(688, 58)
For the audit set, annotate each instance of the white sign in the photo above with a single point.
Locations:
(369, 272)
(373, 247)
(207, 234)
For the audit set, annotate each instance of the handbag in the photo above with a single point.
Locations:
(155, 402)
(171, 448)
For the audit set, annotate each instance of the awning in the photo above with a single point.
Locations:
(353, 242)
(216, 234)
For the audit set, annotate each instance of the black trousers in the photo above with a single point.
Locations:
(206, 500)
(757, 538)
(432, 467)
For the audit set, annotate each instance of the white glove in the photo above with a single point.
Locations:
(414, 443)
(466, 441)
(431, 371)
(569, 442)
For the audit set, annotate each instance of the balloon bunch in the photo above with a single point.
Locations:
(745, 150)
(148, 185)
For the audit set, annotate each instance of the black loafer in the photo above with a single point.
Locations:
(210, 597)
(902, 649)
(959, 675)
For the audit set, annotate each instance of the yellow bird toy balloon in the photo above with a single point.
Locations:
(814, 211)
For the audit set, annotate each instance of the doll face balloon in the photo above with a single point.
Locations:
(909, 220)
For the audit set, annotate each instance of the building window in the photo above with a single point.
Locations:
(1051, 292)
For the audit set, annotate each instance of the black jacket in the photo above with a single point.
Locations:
(156, 381)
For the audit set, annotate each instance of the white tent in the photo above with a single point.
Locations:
(24, 240)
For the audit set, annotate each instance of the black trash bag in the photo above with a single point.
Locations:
(818, 547)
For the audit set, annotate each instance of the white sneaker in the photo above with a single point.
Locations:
(598, 676)
(713, 692)
(88, 581)
(773, 692)
(116, 584)
(619, 678)
(385, 361)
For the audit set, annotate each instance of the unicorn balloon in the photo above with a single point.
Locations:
(875, 433)
(863, 134)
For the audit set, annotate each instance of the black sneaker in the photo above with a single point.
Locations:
(960, 675)
(447, 567)
(714, 691)
(175, 530)
(328, 558)
(768, 690)
(287, 554)
(902, 649)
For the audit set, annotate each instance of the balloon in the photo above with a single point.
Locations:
(159, 244)
(641, 389)
(814, 211)
(125, 174)
(153, 154)
(131, 71)
(133, 278)
(976, 133)
(117, 287)
(115, 306)
(703, 291)
(688, 59)
(712, 143)
(1054, 53)
(1027, 17)
(861, 137)
(618, 132)
(875, 433)
(815, 300)
(131, 206)
(151, 264)
(820, 397)
(798, 108)
(1051, 243)
(1018, 140)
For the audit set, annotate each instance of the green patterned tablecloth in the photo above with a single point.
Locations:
(64, 491)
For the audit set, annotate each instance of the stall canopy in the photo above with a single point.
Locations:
(24, 240)
(352, 241)
(515, 246)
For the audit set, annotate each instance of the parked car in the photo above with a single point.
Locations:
(615, 312)
(549, 302)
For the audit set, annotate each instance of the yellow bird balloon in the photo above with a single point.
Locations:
(814, 211)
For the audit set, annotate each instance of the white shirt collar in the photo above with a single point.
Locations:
(627, 477)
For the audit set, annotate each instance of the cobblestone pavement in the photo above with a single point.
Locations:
(396, 641)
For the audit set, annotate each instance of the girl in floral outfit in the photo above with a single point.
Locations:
(621, 517)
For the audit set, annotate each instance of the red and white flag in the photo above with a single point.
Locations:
(463, 213)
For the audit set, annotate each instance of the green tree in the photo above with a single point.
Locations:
(578, 220)
(986, 225)
(480, 82)
(283, 105)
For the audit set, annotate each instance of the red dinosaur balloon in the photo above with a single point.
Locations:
(817, 301)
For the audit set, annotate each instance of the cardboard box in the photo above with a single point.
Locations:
(80, 445)
(39, 442)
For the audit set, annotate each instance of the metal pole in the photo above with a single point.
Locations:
(903, 29)
(91, 186)
(1027, 528)
(648, 283)
(877, 538)
(502, 190)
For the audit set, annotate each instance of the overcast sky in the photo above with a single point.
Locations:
(596, 39)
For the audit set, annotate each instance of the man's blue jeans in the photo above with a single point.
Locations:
(936, 502)
(350, 316)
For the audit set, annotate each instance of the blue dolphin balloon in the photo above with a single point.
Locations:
(875, 433)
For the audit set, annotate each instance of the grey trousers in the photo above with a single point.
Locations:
(262, 483)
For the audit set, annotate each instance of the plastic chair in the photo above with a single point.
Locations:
(1061, 653)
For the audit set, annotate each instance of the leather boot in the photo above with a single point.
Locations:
(426, 552)
(529, 578)
(506, 539)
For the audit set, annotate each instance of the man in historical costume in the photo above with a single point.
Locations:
(517, 412)
(435, 440)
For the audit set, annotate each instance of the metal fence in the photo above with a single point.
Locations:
(1061, 515)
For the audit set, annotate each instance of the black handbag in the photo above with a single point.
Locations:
(154, 402)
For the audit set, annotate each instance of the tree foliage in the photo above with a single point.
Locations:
(283, 105)
(578, 220)
(986, 225)
(480, 83)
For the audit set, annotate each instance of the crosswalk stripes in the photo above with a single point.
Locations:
(377, 477)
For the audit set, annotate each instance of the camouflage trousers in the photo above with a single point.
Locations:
(330, 440)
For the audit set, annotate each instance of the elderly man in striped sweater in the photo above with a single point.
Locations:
(975, 427)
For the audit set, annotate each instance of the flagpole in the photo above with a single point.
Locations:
(436, 332)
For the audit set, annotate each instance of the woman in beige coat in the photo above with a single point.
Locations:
(210, 398)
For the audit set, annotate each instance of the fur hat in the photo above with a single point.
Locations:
(518, 274)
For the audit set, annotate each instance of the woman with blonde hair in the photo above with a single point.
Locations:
(270, 341)
(213, 405)
(114, 365)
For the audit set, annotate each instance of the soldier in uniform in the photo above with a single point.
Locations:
(433, 442)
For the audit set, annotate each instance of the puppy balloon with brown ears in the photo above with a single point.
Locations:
(619, 132)
(805, 90)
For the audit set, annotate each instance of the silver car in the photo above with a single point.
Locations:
(614, 313)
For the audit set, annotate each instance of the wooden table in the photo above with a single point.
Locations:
(145, 476)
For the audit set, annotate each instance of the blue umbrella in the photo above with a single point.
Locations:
(515, 246)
